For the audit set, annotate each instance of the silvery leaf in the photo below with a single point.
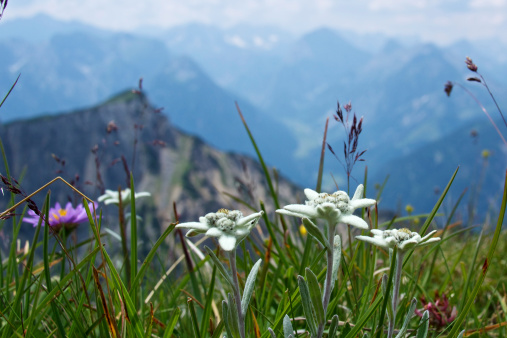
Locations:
(422, 332)
(410, 312)
(219, 266)
(249, 286)
(287, 327)
(333, 327)
(315, 232)
(315, 295)
(307, 306)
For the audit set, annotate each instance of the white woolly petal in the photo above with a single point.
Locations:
(103, 197)
(193, 225)
(142, 194)
(250, 220)
(311, 194)
(408, 244)
(288, 213)
(374, 240)
(429, 241)
(359, 192)
(390, 242)
(214, 232)
(362, 203)
(241, 232)
(353, 220)
(429, 235)
(228, 243)
(301, 210)
(108, 194)
(377, 232)
(111, 200)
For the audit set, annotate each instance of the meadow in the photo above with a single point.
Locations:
(325, 267)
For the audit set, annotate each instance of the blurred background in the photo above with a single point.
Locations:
(286, 64)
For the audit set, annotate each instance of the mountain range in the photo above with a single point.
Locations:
(286, 86)
(86, 148)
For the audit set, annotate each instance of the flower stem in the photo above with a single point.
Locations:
(237, 295)
(396, 291)
(329, 274)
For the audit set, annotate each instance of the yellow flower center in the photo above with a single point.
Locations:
(405, 230)
(61, 213)
(224, 211)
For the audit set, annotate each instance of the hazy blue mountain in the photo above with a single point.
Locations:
(73, 70)
(78, 69)
(170, 164)
(316, 62)
(197, 105)
(287, 86)
(419, 177)
(242, 59)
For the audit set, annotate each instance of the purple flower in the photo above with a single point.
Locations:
(67, 218)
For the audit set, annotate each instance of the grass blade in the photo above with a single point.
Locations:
(172, 323)
(193, 317)
(485, 267)
(219, 266)
(10, 90)
(207, 307)
(433, 213)
(133, 240)
(151, 255)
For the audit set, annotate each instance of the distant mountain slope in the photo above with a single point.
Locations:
(419, 177)
(73, 70)
(78, 69)
(172, 165)
(286, 86)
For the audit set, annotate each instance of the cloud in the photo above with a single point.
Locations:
(492, 4)
(433, 20)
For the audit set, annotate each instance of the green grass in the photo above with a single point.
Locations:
(57, 288)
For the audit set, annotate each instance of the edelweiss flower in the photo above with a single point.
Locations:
(112, 196)
(229, 226)
(404, 239)
(59, 218)
(335, 208)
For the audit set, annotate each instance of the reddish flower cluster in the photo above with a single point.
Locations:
(441, 314)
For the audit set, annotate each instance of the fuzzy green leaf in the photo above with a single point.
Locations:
(233, 315)
(249, 286)
(315, 232)
(288, 331)
(225, 315)
(424, 324)
(410, 312)
(307, 306)
(316, 296)
(337, 256)
(333, 327)
(219, 266)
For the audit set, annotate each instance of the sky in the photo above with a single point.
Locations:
(439, 21)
